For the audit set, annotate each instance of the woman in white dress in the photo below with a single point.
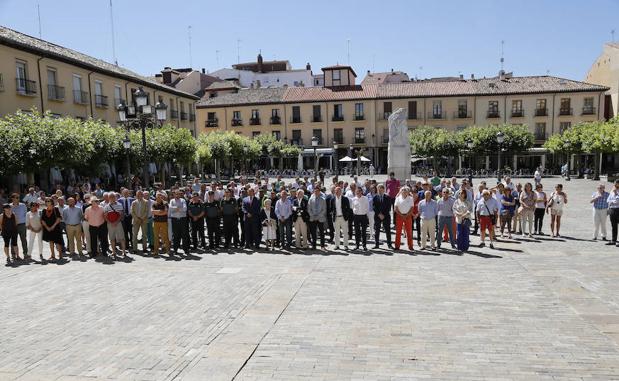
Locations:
(557, 200)
(268, 220)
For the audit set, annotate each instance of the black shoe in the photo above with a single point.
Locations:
(610, 243)
(365, 248)
(391, 246)
(603, 238)
(376, 247)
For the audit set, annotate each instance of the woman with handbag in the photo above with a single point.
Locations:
(507, 207)
(462, 211)
(268, 218)
(527, 209)
(557, 199)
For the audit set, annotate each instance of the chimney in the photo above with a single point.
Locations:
(203, 71)
(392, 70)
(461, 77)
(259, 61)
(473, 76)
(308, 66)
(167, 75)
(501, 74)
(368, 72)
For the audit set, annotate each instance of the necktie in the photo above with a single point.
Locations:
(126, 207)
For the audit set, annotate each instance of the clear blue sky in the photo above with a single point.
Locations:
(423, 38)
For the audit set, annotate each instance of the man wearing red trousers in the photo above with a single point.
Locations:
(405, 212)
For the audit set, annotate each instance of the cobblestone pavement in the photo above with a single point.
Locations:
(533, 309)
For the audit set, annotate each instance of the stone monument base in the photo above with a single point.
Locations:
(401, 173)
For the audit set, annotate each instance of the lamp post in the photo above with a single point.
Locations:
(140, 115)
(315, 142)
(335, 147)
(568, 145)
(127, 145)
(500, 138)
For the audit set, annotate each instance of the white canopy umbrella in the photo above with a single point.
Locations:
(346, 159)
(363, 158)
(300, 163)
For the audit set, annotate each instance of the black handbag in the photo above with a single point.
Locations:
(492, 215)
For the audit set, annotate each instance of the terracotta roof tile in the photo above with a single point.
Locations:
(245, 97)
(321, 94)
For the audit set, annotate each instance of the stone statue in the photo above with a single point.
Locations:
(399, 148)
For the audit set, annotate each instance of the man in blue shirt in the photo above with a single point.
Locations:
(283, 211)
(600, 210)
(613, 211)
(428, 210)
(445, 217)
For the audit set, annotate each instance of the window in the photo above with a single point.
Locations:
(100, 99)
(21, 76)
(183, 113)
(118, 97)
(359, 135)
(517, 108)
(564, 126)
(540, 107)
(336, 78)
(275, 112)
(275, 116)
(587, 108)
(338, 113)
(493, 109)
(255, 134)
(211, 119)
(255, 114)
(317, 133)
(387, 109)
(316, 113)
(211, 116)
(565, 107)
(54, 92)
(338, 135)
(277, 135)
(236, 118)
(412, 109)
(462, 108)
(79, 96)
(386, 136)
(296, 114)
(296, 137)
(540, 131)
(437, 110)
(359, 111)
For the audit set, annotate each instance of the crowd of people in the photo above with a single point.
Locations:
(286, 215)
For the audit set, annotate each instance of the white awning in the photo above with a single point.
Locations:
(319, 151)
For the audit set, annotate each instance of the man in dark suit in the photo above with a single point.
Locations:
(340, 214)
(382, 209)
(126, 200)
(329, 198)
(251, 211)
(300, 218)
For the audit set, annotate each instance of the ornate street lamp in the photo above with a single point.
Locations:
(568, 144)
(140, 115)
(500, 138)
(335, 147)
(315, 142)
(127, 145)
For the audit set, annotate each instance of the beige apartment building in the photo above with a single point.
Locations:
(605, 72)
(347, 117)
(39, 74)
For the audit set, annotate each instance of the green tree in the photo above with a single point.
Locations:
(517, 138)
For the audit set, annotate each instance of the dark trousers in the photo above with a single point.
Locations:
(313, 226)
(231, 230)
(98, 235)
(197, 232)
(350, 228)
(21, 232)
(214, 232)
(284, 232)
(180, 233)
(417, 226)
(539, 219)
(361, 226)
(241, 222)
(385, 223)
(252, 232)
(128, 228)
(476, 228)
(331, 229)
(614, 222)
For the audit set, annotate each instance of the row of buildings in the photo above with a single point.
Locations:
(295, 105)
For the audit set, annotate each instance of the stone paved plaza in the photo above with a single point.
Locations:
(533, 309)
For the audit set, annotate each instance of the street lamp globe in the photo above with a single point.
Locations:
(315, 141)
(122, 112)
(140, 97)
(127, 143)
(500, 137)
(469, 143)
(161, 109)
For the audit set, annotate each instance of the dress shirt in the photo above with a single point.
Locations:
(126, 203)
(283, 209)
(492, 206)
(404, 205)
(445, 207)
(30, 198)
(602, 202)
(350, 195)
(613, 199)
(20, 210)
(360, 206)
(95, 216)
(72, 215)
(34, 220)
(181, 212)
(338, 206)
(428, 209)
(370, 197)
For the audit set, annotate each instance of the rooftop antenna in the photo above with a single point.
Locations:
(238, 51)
(373, 61)
(348, 50)
(39, 14)
(217, 57)
(113, 42)
(189, 37)
(502, 56)
(612, 34)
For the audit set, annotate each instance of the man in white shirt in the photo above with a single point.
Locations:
(340, 217)
(404, 215)
(360, 208)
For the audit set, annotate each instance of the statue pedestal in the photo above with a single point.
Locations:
(401, 173)
(399, 149)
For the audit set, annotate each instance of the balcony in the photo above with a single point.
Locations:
(588, 110)
(276, 120)
(237, 122)
(338, 118)
(297, 142)
(316, 119)
(254, 121)
(55, 93)
(463, 114)
(212, 122)
(565, 111)
(414, 116)
(517, 113)
(80, 97)
(359, 140)
(493, 114)
(26, 87)
(101, 101)
(437, 115)
(295, 119)
(192, 117)
(174, 114)
(338, 140)
(540, 135)
(541, 112)
(183, 115)
(359, 117)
